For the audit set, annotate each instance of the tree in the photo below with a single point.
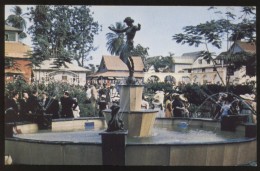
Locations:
(63, 32)
(41, 33)
(160, 63)
(227, 29)
(115, 41)
(141, 51)
(81, 36)
(17, 20)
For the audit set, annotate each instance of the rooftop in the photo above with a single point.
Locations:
(114, 63)
(16, 50)
(49, 65)
(10, 28)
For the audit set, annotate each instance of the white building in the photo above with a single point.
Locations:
(189, 68)
(69, 73)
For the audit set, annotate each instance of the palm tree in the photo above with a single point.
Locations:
(17, 20)
(115, 41)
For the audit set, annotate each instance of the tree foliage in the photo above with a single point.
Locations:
(116, 41)
(17, 20)
(160, 63)
(63, 32)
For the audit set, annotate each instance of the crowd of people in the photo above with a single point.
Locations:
(103, 97)
(177, 105)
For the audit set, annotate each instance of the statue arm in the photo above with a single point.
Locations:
(117, 30)
(138, 27)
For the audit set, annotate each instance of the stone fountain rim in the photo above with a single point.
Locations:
(229, 141)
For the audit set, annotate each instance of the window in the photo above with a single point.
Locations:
(6, 37)
(208, 61)
(203, 69)
(189, 70)
(10, 36)
(64, 78)
(200, 61)
(214, 69)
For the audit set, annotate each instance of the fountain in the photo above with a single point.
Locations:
(178, 141)
(132, 136)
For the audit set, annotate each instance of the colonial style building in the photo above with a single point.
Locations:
(17, 58)
(204, 72)
(189, 68)
(177, 74)
(113, 69)
(69, 73)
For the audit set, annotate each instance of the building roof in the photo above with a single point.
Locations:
(247, 47)
(49, 65)
(116, 74)
(16, 50)
(191, 54)
(10, 28)
(244, 46)
(114, 63)
(183, 60)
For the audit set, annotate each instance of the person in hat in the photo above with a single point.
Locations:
(248, 107)
(186, 104)
(178, 106)
(125, 54)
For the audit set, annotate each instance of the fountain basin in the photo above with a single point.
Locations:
(237, 150)
(138, 123)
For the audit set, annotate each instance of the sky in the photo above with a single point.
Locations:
(158, 25)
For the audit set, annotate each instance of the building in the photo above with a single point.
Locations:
(176, 75)
(240, 76)
(204, 72)
(17, 56)
(113, 69)
(47, 72)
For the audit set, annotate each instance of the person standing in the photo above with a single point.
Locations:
(168, 107)
(94, 97)
(248, 107)
(33, 103)
(112, 93)
(45, 102)
(53, 108)
(24, 107)
(76, 110)
(177, 106)
(158, 103)
(13, 105)
(186, 104)
(144, 103)
(12, 112)
(102, 105)
(67, 105)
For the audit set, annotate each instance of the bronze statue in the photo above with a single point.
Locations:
(125, 54)
(115, 123)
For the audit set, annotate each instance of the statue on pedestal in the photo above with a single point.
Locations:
(125, 54)
(115, 123)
